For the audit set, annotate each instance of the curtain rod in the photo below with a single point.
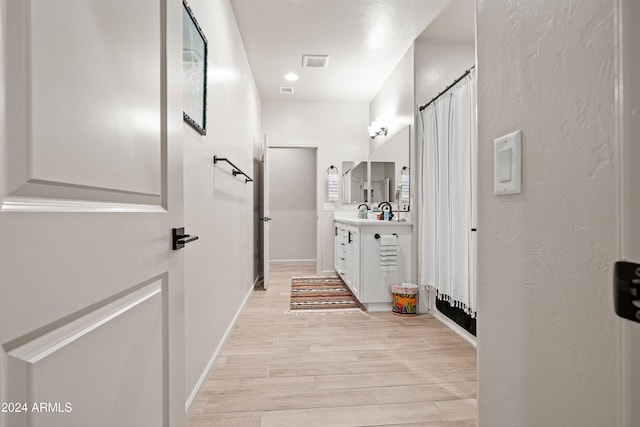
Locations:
(465, 74)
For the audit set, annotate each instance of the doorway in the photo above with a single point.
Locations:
(292, 200)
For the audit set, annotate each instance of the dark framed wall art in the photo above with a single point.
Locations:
(194, 66)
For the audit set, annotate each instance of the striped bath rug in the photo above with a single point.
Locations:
(321, 293)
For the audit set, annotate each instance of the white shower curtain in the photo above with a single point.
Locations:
(447, 219)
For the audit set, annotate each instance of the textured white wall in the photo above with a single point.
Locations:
(292, 204)
(340, 133)
(219, 269)
(547, 335)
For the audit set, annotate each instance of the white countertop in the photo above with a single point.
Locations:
(348, 219)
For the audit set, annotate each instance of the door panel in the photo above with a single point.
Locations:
(124, 338)
(91, 294)
(109, 81)
(91, 96)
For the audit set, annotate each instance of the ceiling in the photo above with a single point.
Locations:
(365, 40)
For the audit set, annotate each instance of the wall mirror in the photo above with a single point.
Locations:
(383, 177)
(354, 181)
(382, 182)
(389, 163)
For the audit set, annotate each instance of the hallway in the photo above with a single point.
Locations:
(337, 370)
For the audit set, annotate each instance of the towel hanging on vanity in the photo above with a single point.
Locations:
(389, 255)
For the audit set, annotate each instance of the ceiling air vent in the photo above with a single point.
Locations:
(315, 61)
(286, 90)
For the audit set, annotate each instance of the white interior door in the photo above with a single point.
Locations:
(91, 293)
(265, 212)
(630, 191)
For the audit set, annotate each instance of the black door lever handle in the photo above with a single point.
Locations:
(179, 239)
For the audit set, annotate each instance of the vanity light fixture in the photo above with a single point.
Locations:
(377, 129)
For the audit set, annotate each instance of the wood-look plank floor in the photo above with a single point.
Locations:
(373, 369)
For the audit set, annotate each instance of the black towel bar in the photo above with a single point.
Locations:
(377, 236)
(236, 170)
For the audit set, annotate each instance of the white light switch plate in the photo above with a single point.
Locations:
(507, 164)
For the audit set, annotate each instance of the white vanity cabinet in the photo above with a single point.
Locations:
(357, 259)
(339, 248)
(347, 255)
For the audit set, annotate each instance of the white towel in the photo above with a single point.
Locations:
(333, 187)
(404, 191)
(389, 255)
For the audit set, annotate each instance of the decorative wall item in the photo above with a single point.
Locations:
(194, 68)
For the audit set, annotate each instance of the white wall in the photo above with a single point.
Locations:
(219, 271)
(547, 334)
(395, 101)
(438, 64)
(292, 204)
(339, 130)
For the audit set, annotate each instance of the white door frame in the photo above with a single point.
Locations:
(264, 210)
(628, 134)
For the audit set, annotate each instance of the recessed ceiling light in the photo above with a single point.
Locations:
(292, 77)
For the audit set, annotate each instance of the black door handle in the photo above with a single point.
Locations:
(265, 218)
(626, 290)
(179, 239)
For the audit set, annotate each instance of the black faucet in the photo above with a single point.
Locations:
(363, 204)
(381, 205)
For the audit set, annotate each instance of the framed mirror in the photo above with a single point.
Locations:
(194, 67)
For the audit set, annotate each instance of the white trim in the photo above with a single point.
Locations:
(378, 307)
(455, 327)
(619, 8)
(39, 348)
(291, 261)
(32, 204)
(257, 280)
(192, 400)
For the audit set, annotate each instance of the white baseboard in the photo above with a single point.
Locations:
(291, 261)
(455, 327)
(189, 405)
(379, 307)
(259, 279)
